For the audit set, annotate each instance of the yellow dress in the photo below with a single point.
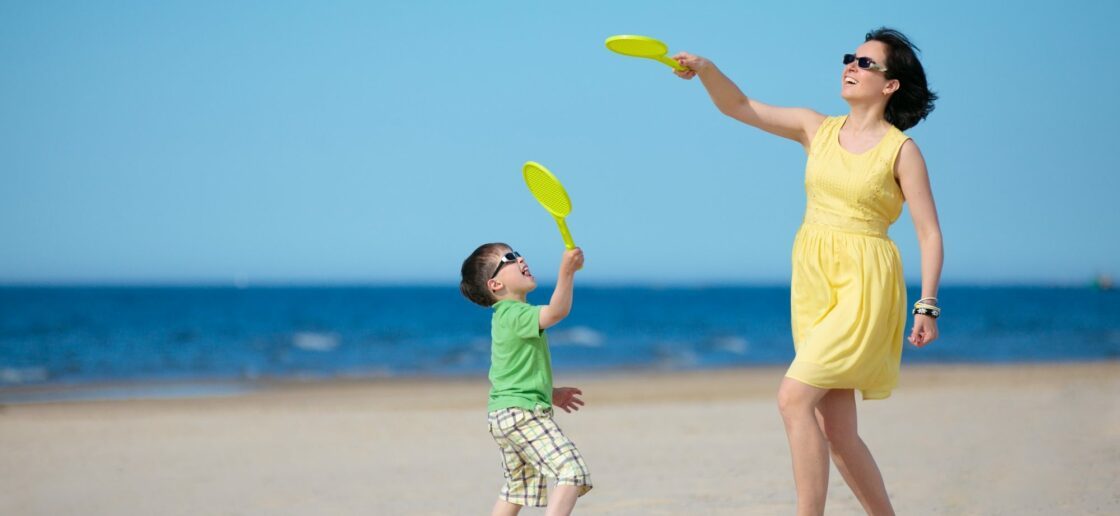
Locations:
(848, 297)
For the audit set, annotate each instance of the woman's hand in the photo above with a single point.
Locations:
(693, 64)
(925, 330)
(566, 398)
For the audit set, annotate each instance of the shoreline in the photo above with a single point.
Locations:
(158, 389)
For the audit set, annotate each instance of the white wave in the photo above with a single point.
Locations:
(736, 345)
(310, 341)
(21, 375)
(675, 356)
(128, 392)
(250, 372)
(480, 344)
(581, 336)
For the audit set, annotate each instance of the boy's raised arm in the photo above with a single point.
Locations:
(561, 303)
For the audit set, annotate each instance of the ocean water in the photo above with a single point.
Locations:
(67, 336)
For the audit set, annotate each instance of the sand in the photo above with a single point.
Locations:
(1011, 439)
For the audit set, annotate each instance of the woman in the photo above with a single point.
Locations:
(848, 299)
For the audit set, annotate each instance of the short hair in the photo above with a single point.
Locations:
(913, 101)
(477, 269)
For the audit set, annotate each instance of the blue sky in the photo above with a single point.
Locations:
(336, 142)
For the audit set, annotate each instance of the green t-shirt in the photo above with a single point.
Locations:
(520, 365)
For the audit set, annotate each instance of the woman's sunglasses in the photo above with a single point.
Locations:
(510, 257)
(864, 62)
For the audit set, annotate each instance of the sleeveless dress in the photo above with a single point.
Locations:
(848, 296)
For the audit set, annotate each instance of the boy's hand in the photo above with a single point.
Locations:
(566, 398)
(572, 261)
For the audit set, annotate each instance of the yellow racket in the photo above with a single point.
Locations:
(550, 193)
(643, 46)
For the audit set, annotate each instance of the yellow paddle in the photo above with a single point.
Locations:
(550, 193)
(643, 46)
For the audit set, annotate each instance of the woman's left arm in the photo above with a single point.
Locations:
(910, 168)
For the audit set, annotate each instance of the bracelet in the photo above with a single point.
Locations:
(934, 299)
(924, 309)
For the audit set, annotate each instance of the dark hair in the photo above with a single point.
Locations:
(913, 101)
(477, 269)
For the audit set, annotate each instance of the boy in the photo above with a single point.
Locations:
(521, 394)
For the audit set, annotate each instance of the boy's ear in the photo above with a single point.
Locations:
(494, 285)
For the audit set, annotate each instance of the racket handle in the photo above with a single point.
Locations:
(564, 232)
(672, 63)
(567, 236)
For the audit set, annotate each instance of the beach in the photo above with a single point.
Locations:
(953, 439)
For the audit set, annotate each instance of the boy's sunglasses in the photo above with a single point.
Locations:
(864, 62)
(510, 257)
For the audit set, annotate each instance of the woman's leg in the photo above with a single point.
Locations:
(797, 403)
(837, 417)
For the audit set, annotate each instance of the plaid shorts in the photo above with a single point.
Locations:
(534, 450)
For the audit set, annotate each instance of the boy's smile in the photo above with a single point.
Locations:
(512, 272)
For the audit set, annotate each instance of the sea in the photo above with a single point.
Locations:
(189, 339)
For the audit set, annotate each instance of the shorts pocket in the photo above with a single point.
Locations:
(506, 420)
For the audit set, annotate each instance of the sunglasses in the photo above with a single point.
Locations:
(864, 62)
(510, 257)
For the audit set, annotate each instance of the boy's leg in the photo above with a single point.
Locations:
(554, 455)
(535, 449)
(524, 485)
(562, 500)
(504, 508)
